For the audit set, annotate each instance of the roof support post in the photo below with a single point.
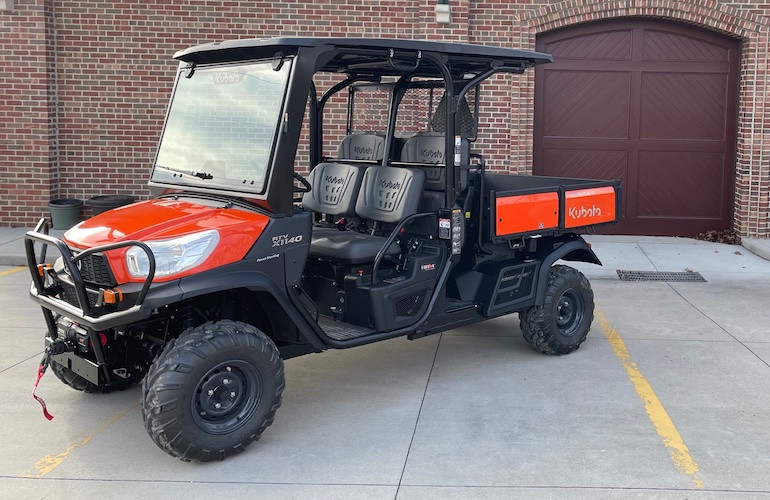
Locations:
(439, 62)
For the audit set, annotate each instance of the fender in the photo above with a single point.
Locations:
(572, 249)
(245, 276)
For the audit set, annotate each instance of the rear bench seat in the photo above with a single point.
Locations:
(427, 148)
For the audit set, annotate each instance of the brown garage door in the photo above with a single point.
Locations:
(650, 103)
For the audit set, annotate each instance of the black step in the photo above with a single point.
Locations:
(453, 305)
(339, 330)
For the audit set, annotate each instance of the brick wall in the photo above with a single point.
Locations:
(28, 148)
(85, 83)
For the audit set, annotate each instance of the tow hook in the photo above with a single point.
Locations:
(58, 346)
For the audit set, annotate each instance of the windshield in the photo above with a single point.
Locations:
(221, 126)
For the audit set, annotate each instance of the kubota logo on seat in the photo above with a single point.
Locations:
(333, 179)
(431, 154)
(362, 150)
(582, 212)
(390, 184)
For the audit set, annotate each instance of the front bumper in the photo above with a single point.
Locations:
(44, 287)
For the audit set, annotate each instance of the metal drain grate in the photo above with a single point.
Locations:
(686, 276)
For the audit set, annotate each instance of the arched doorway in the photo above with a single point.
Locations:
(652, 103)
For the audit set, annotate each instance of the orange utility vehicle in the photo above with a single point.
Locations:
(241, 261)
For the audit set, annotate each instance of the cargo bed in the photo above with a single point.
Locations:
(525, 205)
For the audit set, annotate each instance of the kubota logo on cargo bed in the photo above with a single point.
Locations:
(582, 212)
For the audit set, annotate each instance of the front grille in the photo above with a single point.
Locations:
(95, 272)
(69, 295)
(95, 269)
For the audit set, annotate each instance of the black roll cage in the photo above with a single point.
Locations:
(400, 87)
(362, 60)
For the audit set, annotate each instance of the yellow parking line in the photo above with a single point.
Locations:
(678, 451)
(11, 271)
(49, 462)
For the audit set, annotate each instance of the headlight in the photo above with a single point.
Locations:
(174, 255)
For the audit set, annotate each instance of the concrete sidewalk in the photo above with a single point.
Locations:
(470, 413)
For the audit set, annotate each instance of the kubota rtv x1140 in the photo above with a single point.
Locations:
(241, 261)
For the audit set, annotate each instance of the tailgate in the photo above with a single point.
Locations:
(565, 205)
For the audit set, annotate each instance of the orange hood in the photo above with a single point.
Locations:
(167, 218)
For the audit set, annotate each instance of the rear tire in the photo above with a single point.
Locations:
(212, 391)
(562, 322)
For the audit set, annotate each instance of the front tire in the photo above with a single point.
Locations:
(562, 322)
(79, 383)
(72, 379)
(212, 391)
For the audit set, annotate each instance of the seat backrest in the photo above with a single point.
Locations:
(334, 187)
(424, 148)
(428, 148)
(362, 146)
(388, 194)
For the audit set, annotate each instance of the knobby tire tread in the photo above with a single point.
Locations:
(536, 325)
(79, 383)
(72, 379)
(177, 359)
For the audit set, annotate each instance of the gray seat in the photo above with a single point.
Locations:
(363, 146)
(348, 247)
(387, 195)
(334, 187)
(427, 148)
(424, 148)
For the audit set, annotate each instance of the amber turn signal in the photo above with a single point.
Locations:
(42, 268)
(113, 296)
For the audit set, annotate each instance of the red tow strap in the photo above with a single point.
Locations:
(40, 373)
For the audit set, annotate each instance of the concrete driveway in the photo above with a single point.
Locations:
(668, 398)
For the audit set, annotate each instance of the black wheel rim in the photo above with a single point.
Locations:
(569, 312)
(227, 397)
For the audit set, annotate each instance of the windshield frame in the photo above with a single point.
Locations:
(186, 179)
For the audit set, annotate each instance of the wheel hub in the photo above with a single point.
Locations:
(220, 394)
(569, 312)
(564, 311)
(226, 396)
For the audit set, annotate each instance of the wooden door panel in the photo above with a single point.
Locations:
(651, 103)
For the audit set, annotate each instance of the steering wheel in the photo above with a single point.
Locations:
(306, 187)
